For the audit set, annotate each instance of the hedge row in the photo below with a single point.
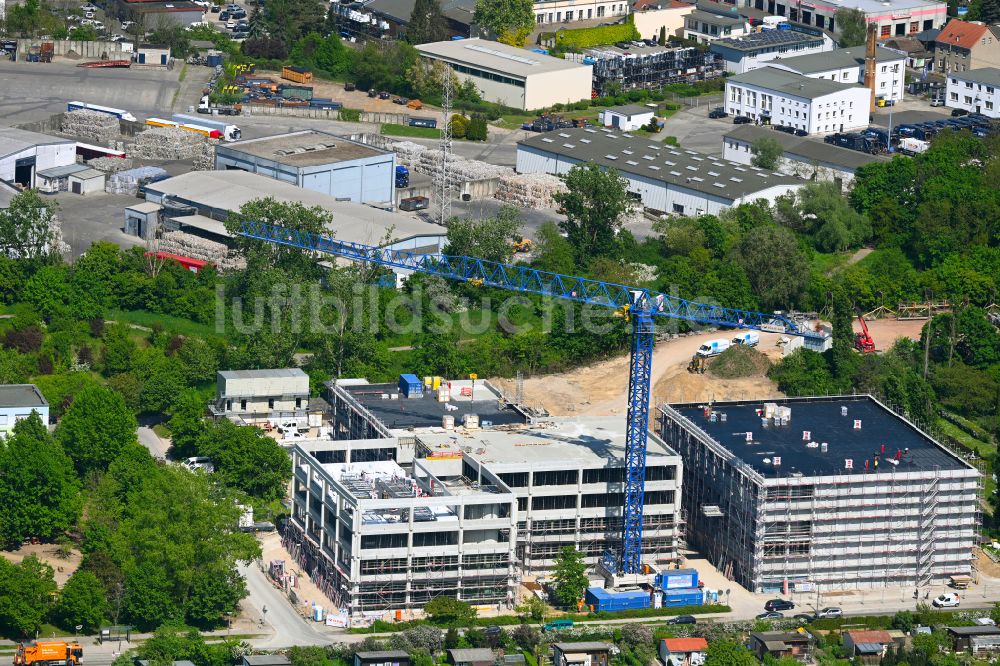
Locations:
(582, 38)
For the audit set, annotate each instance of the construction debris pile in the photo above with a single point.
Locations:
(189, 245)
(530, 190)
(110, 164)
(92, 125)
(167, 143)
(127, 182)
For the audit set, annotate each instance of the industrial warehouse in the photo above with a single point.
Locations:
(822, 493)
(665, 178)
(468, 506)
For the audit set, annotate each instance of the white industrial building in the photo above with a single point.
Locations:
(894, 18)
(975, 91)
(803, 157)
(822, 493)
(779, 97)
(742, 54)
(848, 66)
(387, 524)
(626, 118)
(667, 179)
(23, 154)
(316, 161)
(255, 396)
(200, 201)
(515, 77)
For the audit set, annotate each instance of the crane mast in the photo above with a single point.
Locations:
(641, 305)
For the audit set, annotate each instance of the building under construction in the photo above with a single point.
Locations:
(822, 493)
(615, 69)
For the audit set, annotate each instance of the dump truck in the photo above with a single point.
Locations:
(48, 653)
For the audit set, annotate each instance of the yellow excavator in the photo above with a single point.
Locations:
(697, 365)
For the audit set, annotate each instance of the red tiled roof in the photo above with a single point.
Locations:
(873, 636)
(685, 644)
(962, 34)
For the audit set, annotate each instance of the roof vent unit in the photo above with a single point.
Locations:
(823, 447)
(843, 410)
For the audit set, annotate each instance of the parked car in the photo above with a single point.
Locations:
(557, 624)
(718, 112)
(373, 93)
(401, 100)
(741, 120)
(947, 600)
(349, 87)
(771, 615)
(384, 95)
(787, 129)
(215, 9)
(799, 132)
(955, 113)
(230, 24)
(682, 619)
(937, 101)
(829, 613)
(805, 618)
(89, 14)
(98, 25)
(778, 605)
(89, 7)
(127, 24)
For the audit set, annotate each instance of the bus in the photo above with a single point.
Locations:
(197, 129)
(118, 113)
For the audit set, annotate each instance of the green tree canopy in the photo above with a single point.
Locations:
(97, 427)
(767, 153)
(82, 601)
(247, 460)
(427, 23)
(852, 25)
(728, 653)
(26, 591)
(570, 575)
(39, 490)
(595, 204)
(490, 238)
(774, 264)
(444, 610)
(511, 21)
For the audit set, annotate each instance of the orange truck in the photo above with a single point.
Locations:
(48, 653)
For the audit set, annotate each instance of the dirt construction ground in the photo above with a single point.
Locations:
(63, 567)
(601, 389)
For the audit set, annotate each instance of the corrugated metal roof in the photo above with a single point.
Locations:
(272, 373)
(14, 140)
(63, 171)
(497, 57)
(471, 654)
(805, 147)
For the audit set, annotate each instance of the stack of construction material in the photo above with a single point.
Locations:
(84, 124)
(189, 245)
(204, 157)
(166, 143)
(110, 164)
(127, 182)
(530, 190)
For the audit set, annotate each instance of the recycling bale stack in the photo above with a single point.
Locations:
(530, 190)
(92, 125)
(167, 143)
(196, 247)
(127, 182)
(110, 164)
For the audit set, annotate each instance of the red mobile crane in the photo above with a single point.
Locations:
(863, 341)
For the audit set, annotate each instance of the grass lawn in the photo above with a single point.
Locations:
(162, 431)
(170, 323)
(392, 129)
(829, 263)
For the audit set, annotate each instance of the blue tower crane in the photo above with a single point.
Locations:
(641, 306)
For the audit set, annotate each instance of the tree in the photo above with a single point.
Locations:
(39, 491)
(427, 23)
(477, 129)
(246, 459)
(444, 610)
(766, 153)
(570, 576)
(288, 20)
(532, 607)
(83, 33)
(96, 429)
(728, 653)
(511, 21)
(82, 601)
(594, 205)
(663, 36)
(294, 216)
(553, 253)
(171, 34)
(775, 265)
(26, 591)
(987, 11)
(903, 621)
(28, 228)
(852, 25)
(490, 238)
(636, 634)
(842, 355)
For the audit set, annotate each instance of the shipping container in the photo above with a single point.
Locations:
(295, 92)
(410, 386)
(297, 74)
(689, 597)
(676, 579)
(604, 601)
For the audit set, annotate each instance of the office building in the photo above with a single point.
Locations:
(975, 91)
(848, 66)
(742, 54)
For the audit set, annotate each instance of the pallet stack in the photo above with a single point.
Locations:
(84, 124)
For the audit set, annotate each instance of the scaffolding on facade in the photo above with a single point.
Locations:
(614, 69)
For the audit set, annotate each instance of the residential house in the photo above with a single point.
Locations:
(848, 66)
(778, 644)
(683, 651)
(581, 654)
(651, 16)
(965, 45)
(917, 55)
(975, 91)
(386, 658)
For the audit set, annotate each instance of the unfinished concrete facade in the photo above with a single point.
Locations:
(822, 493)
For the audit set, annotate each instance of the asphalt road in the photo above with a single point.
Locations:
(157, 447)
(286, 627)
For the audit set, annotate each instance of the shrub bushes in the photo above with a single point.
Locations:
(583, 38)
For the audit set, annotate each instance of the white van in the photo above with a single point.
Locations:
(199, 462)
(748, 338)
(713, 347)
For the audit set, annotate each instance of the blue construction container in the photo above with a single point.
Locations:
(677, 579)
(604, 601)
(410, 386)
(689, 597)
